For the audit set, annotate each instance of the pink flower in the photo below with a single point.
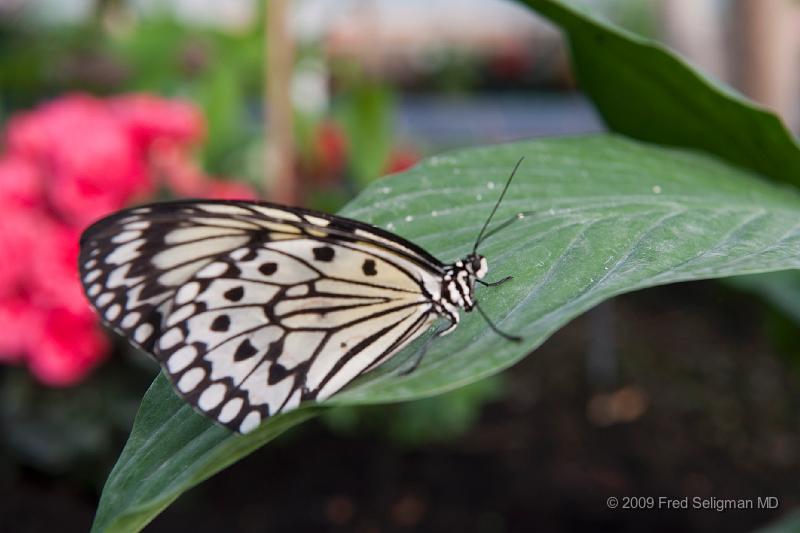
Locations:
(68, 346)
(27, 136)
(54, 269)
(94, 164)
(229, 190)
(20, 183)
(185, 178)
(67, 163)
(20, 231)
(172, 167)
(148, 118)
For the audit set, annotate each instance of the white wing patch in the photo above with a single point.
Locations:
(253, 308)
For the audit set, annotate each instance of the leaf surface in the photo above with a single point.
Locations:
(602, 216)
(645, 91)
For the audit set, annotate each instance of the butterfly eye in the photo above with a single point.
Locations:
(476, 263)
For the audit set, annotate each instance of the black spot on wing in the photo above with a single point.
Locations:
(268, 269)
(369, 267)
(235, 294)
(323, 253)
(221, 323)
(244, 351)
(276, 373)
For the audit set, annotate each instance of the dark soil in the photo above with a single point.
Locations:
(683, 393)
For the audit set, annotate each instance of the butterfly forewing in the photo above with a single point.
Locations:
(252, 308)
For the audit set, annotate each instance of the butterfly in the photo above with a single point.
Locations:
(252, 308)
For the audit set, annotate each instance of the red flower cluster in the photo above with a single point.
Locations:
(330, 154)
(66, 164)
(400, 160)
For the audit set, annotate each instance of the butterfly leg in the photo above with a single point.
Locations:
(418, 356)
(422, 351)
(495, 283)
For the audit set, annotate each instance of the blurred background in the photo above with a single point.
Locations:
(688, 390)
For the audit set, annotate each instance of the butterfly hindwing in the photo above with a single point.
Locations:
(251, 308)
(132, 263)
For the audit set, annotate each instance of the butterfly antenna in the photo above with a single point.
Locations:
(496, 205)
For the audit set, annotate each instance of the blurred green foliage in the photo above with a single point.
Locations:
(366, 112)
(220, 71)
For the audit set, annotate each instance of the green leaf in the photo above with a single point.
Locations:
(604, 216)
(645, 91)
(172, 448)
(367, 115)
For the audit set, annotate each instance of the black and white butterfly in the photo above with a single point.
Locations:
(252, 308)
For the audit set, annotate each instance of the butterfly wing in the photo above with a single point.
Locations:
(252, 308)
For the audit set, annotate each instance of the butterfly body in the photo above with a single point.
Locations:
(252, 308)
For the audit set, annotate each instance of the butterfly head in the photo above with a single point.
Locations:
(460, 277)
(476, 265)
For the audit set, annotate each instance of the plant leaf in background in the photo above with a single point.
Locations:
(158, 463)
(605, 216)
(647, 92)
